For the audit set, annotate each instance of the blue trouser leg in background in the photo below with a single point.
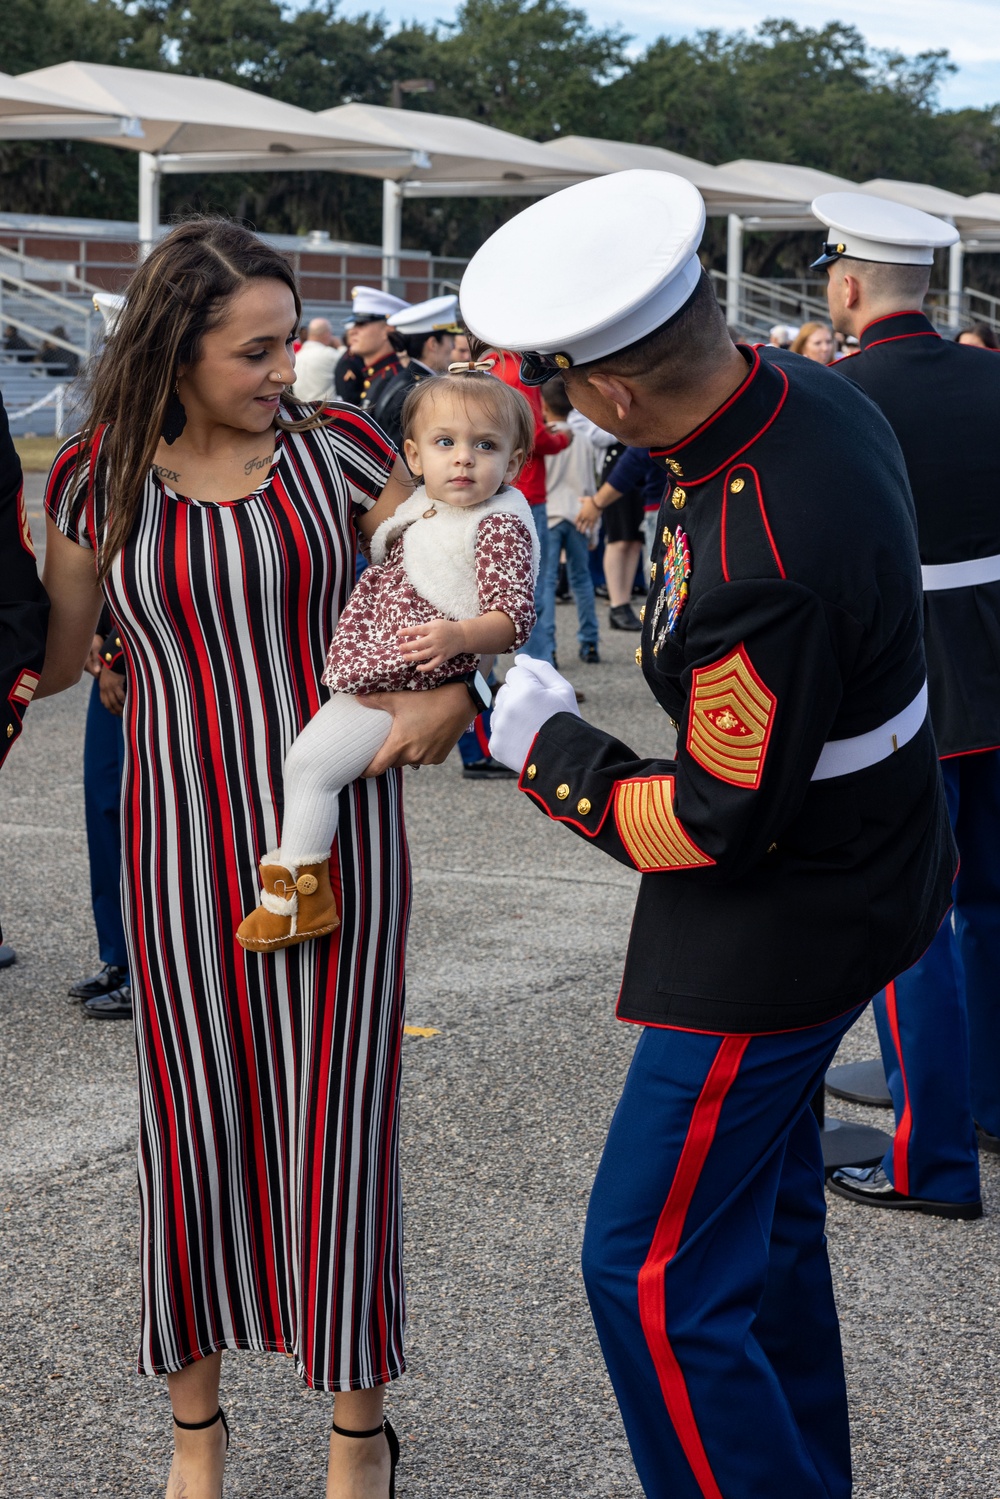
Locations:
(977, 922)
(924, 1019)
(705, 1263)
(565, 537)
(541, 643)
(103, 758)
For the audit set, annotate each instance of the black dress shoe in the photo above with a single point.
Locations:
(8, 957)
(590, 654)
(869, 1184)
(104, 982)
(623, 617)
(488, 770)
(989, 1143)
(114, 1006)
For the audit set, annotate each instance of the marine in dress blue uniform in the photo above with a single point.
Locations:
(941, 400)
(24, 608)
(107, 995)
(792, 851)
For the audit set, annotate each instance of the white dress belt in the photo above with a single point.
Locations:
(839, 757)
(961, 574)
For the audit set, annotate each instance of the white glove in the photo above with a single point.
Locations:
(531, 694)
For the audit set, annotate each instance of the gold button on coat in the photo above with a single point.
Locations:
(638, 655)
(642, 615)
(583, 806)
(10, 731)
(652, 572)
(737, 485)
(678, 499)
(532, 772)
(666, 535)
(562, 792)
(307, 884)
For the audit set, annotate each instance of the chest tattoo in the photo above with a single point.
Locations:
(167, 474)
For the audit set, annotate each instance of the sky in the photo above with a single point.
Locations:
(969, 29)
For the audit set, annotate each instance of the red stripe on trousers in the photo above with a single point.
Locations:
(652, 1276)
(901, 1139)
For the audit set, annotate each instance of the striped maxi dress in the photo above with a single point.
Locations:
(268, 1085)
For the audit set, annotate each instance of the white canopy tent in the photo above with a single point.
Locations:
(977, 222)
(28, 112)
(199, 120)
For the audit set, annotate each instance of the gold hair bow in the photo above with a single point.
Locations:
(472, 367)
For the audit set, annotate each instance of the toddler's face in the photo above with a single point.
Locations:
(458, 448)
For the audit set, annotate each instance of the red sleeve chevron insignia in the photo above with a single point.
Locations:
(730, 718)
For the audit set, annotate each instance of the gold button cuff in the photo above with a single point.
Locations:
(531, 772)
(737, 485)
(583, 806)
(562, 792)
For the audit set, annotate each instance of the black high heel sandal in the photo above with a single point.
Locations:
(390, 1437)
(220, 1415)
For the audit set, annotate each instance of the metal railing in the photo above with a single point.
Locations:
(28, 303)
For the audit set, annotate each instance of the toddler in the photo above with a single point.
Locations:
(452, 577)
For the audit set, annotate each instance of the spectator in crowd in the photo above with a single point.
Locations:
(814, 341)
(107, 995)
(24, 609)
(979, 336)
(569, 476)
(462, 351)
(424, 338)
(531, 483)
(57, 360)
(780, 336)
(634, 485)
(316, 362)
(16, 345)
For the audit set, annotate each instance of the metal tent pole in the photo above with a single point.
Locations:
(392, 231)
(734, 267)
(149, 201)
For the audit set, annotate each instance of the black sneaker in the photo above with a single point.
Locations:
(108, 979)
(589, 654)
(623, 617)
(114, 1006)
(488, 770)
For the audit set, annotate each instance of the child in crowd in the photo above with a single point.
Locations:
(452, 577)
(569, 475)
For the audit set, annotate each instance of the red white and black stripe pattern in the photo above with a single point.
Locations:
(268, 1085)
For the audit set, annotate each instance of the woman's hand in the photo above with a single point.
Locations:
(426, 726)
(589, 514)
(431, 644)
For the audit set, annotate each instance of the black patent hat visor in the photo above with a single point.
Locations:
(830, 253)
(537, 368)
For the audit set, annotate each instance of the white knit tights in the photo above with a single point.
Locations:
(334, 748)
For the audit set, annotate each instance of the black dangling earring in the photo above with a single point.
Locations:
(174, 418)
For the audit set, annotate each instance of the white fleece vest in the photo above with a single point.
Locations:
(439, 550)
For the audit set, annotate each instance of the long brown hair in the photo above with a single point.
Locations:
(177, 295)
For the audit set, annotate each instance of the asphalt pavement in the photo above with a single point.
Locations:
(516, 948)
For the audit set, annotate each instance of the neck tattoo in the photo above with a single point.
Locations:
(257, 463)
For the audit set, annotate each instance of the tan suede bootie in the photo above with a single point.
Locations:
(296, 904)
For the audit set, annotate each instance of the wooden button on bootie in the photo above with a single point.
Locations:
(296, 904)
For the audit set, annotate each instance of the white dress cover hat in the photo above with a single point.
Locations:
(863, 227)
(369, 302)
(438, 315)
(586, 271)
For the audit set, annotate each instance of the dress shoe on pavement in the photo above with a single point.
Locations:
(108, 979)
(114, 1006)
(488, 770)
(8, 957)
(989, 1143)
(623, 617)
(590, 654)
(869, 1184)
